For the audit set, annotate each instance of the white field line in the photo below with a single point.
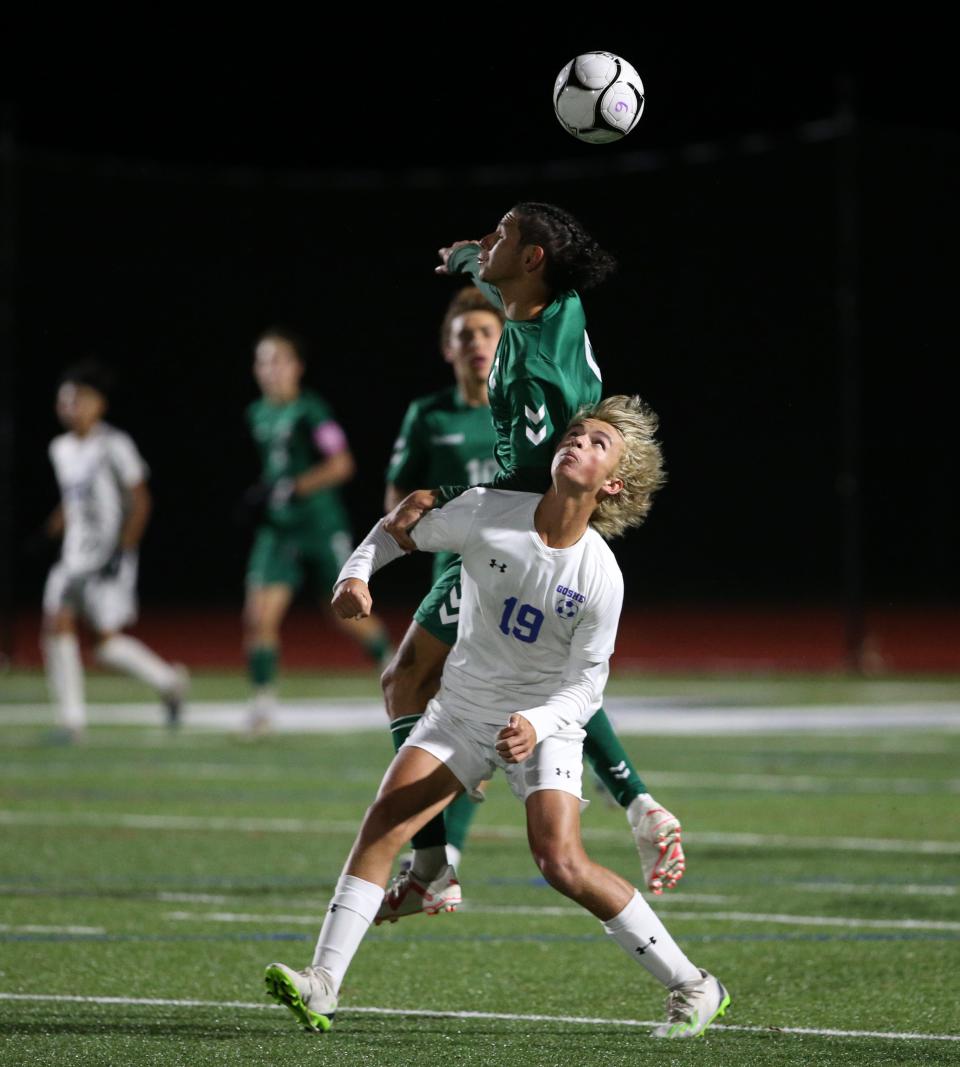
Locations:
(312, 828)
(764, 783)
(645, 715)
(574, 1020)
(8, 928)
(577, 913)
(907, 890)
(851, 888)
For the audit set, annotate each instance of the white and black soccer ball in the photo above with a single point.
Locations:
(598, 97)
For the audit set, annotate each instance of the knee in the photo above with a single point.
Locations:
(561, 869)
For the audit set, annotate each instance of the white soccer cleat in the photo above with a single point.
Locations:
(657, 836)
(693, 1006)
(406, 895)
(308, 994)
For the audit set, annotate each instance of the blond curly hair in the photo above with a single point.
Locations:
(640, 466)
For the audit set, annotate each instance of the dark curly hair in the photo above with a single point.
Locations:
(574, 260)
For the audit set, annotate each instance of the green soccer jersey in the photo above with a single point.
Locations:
(291, 438)
(443, 440)
(544, 371)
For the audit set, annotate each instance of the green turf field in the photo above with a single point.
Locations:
(147, 879)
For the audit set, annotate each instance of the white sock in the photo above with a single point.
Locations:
(453, 856)
(353, 908)
(264, 702)
(127, 654)
(429, 862)
(639, 932)
(65, 678)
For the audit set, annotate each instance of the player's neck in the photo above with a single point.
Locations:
(560, 521)
(524, 298)
(279, 399)
(84, 431)
(473, 394)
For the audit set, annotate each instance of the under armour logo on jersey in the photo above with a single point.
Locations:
(333, 907)
(561, 773)
(643, 948)
(502, 566)
(535, 419)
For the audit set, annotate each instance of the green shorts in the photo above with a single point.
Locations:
(283, 557)
(439, 610)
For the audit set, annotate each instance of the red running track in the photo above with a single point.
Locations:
(671, 638)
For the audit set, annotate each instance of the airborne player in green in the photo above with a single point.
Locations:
(304, 529)
(544, 371)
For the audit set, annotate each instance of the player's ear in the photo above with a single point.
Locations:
(447, 354)
(611, 487)
(533, 257)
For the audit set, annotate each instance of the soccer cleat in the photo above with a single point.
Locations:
(308, 994)
(693, 1006)
(657, 836)
(173, 698)
(406, 895)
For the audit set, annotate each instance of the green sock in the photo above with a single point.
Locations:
(610, 760)
(435, 832)
(377, 647)
(262, 665)
(458, 817)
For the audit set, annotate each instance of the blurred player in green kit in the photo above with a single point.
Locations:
(531, 398)
(304, 531)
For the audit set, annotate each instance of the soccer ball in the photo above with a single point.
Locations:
(598, 97)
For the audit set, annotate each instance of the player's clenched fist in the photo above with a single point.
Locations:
(352, 599)
(516, 740)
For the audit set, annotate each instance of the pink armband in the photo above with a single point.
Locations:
(329, 438)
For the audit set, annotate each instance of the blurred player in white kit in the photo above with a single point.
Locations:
(103, 512)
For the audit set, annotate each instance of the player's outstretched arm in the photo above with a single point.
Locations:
(462, 258)
(445, 254)
(352, 599)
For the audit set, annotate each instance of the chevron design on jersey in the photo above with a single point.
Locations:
(535, 418)
(447, 617)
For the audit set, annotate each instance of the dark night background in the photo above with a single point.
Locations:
(160, 210)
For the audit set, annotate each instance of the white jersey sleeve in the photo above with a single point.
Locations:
(574, 703)
(376, 550)
(125, 459)
(448, 529)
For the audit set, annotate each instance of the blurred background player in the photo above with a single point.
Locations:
(103, 512)
(303, 527)
(532, 265)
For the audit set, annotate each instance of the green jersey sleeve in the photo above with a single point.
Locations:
(464, 261)
(410, 460)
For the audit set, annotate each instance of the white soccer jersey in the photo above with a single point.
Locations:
(537, 624)
(95, 474)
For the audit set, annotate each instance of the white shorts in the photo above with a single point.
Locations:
(107, 603)
(467, 748)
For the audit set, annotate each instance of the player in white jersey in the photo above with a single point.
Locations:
(103, 511)
(538, 617)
